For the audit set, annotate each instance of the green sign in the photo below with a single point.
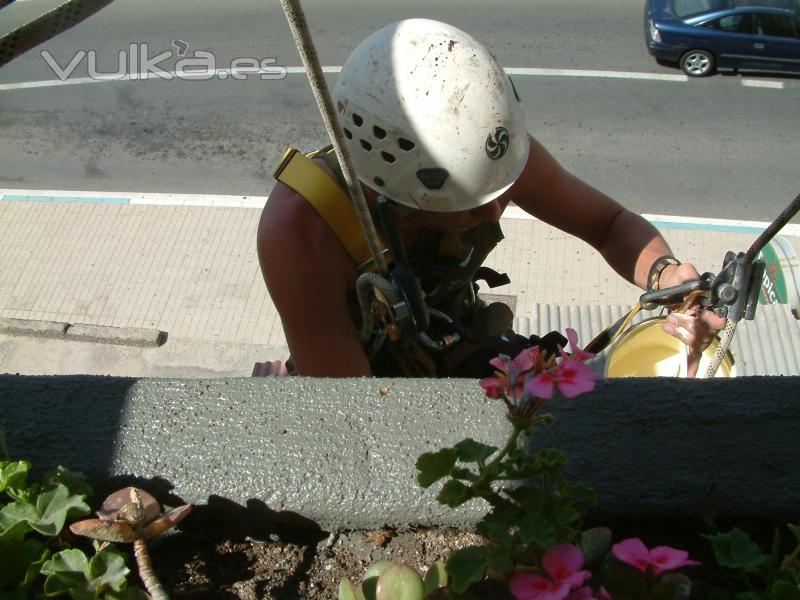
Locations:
(773, 284)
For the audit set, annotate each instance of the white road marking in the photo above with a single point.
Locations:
(271, 73)
(777, 85)
(230, 201)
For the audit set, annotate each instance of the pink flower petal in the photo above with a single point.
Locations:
(665, 559)
(541, 386)
(575, 378)
(632, 552)
(498, 363)
(584, 593)
(525, 360)
(492, 387)
(530, 586)
(561, 561)
(577, 353)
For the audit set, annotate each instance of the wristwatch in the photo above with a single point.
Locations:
(654, 276)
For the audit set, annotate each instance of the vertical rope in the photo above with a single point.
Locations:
(722, 348)
(308, 54)
(46, 26)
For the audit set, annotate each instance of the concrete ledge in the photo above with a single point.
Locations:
(33, 328)
(340, 454)
(126, 336)
(81, 332)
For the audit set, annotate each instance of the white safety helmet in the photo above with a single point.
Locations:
(430, 118)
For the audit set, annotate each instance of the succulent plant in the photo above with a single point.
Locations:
(131, 516)
(387, 580)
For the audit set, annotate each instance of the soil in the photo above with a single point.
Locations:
(190, 566)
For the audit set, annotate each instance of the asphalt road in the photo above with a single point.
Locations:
(707, 148)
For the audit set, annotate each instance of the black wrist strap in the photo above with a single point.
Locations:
(654, 276)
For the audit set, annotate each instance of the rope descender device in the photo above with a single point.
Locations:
(732, 293)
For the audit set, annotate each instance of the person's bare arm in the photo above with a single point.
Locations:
(549, 192)
(308, 273)
(627, 241)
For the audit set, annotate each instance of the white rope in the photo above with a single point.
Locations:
(308, 54)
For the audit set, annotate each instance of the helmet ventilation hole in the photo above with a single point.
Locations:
(405, 144)
(379, 181)
(358, 120)
(389, 158)
(347, 133)
(379, 132)
(366, 145)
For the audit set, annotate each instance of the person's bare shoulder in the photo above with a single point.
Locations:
(293, 236)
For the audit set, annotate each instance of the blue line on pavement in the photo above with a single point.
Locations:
(707, 227)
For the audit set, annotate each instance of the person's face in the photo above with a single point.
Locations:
(460, 221)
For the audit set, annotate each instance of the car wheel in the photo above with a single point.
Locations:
(697, 63)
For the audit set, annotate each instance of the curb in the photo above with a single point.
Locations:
(337, 454)
(81, 332)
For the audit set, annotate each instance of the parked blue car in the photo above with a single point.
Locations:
(701, 36)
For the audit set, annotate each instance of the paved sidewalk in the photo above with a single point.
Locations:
(192, 272)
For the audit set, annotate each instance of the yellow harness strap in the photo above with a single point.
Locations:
(333, 204)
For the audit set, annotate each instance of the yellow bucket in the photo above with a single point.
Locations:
(646, 350)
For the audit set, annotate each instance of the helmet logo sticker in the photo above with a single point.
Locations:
(497, 144)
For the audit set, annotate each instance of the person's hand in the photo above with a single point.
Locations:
(270, 368)
(697, 326)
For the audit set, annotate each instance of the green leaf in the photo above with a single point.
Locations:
(596, 544)
(435, 577)
(666, 591)
(465, 474)
(130, 593)
(466, 566)
(433, 466)
(51, 511)
(454, 493)
(14, 475)
(19, 556)
(581, 492)
(795, 529)
(13, 595)
(736, 551)
(498, 559)
(471, 451)
(70, 572)
(67, 570)
(624, 581)
(750, 596)
(76, 482)
(497, 524)
(783, 590)
(107, 571)
(534, 528)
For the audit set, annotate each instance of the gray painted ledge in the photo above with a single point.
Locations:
(336, 454)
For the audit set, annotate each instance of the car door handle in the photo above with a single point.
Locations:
(758, 46)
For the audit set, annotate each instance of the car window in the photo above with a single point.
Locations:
(740, 23)
(687, 8)
(774, 25)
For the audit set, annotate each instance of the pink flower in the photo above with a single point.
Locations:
(572, 378)
(563, 564)
(577, 353)
(661, 559)
(510, 374)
